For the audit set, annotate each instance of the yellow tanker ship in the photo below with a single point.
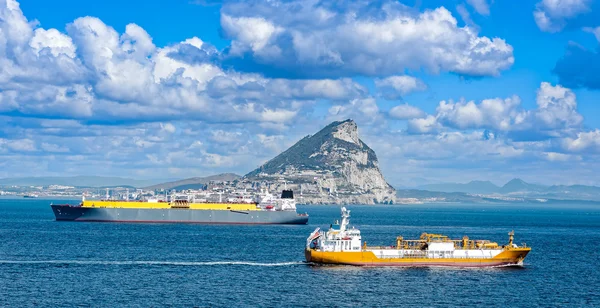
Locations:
(344, 246)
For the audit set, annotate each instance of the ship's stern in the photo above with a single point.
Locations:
(308, 254)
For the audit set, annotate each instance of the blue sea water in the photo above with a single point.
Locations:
(47, 263)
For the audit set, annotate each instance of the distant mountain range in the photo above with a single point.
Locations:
(520, 188)
(473, 187)
(77, 181)
(194, 183)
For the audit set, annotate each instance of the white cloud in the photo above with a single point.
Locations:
(552, 15)
(394, 87)
(559, 157)
(347, 39)
(584, 142)
(277, 116)
(168, 127)
(481, 6)
(49, 101)
(19, 145)
(52, 40)
(500, 114)
(40, 55)
(426, 125)
(406, 112)
(251, 32)
(466, 17)
(557, 107)
(227, 137)
(556, 114)
(364, 110)
(595, 31)
(97, 74)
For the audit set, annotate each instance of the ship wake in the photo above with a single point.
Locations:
(150, 263)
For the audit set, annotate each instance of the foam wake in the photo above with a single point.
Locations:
(165, 263)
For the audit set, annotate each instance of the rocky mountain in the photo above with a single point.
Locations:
(331, 166)
(194, 183)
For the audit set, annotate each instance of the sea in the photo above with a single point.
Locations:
(45, 263)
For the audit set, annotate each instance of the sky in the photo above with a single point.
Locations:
(443, 91)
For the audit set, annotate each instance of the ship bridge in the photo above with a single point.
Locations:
(342, 239)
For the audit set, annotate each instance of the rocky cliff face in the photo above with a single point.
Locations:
(331, 166)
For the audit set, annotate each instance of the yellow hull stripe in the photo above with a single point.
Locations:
(168, 205)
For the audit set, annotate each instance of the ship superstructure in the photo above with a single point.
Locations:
(179, 209)
(285, 202)
(345, 246)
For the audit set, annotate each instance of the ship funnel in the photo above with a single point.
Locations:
(287, 194)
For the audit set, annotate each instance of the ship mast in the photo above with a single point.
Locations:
(345, 219)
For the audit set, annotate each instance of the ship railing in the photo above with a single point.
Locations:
(416, 247)
(426, 256)
(420, 254)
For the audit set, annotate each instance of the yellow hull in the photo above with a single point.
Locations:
(509, 257)
(168, 205)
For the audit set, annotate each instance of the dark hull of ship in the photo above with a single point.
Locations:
(78, 213)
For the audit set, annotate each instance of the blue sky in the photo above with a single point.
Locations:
(441, 90)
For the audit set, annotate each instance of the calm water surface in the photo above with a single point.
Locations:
(49, 263)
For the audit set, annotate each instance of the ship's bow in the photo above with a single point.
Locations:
(67, 212)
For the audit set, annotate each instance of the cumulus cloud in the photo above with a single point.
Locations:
(501, 114)
(97, 75)
(554, 15)
(406, 112)
(557, 108)
(355, 38)
(37, 56)
(394, 87)
(583, 142)
(555, 116)
(426, 125)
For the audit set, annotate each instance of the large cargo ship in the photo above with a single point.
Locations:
(345, 246)
(270, 210)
